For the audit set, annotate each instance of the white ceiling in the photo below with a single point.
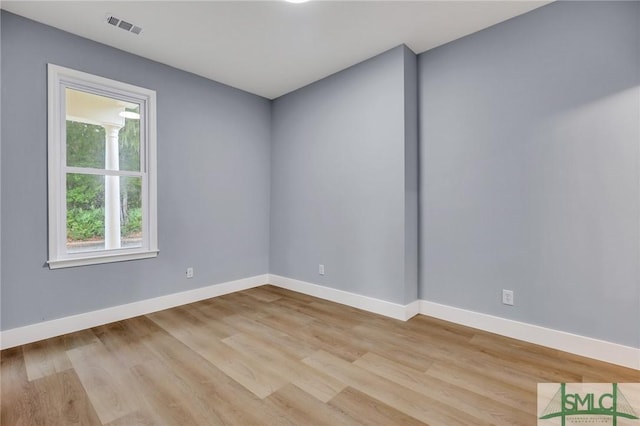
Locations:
(270, 47)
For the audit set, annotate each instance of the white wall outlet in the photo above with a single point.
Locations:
(507, 297)
(189, 272)
(321, 269)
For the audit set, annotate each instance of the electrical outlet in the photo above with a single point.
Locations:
(189, 272)
(321, 269)
(507, 297)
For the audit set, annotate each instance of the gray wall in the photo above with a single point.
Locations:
(338, 180)
(529, 169)
(528, 160)
(411, 178)
(0, 181)
(213, 180)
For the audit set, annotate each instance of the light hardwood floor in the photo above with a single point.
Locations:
(268, 356)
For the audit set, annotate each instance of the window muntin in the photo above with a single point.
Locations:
(102, 188)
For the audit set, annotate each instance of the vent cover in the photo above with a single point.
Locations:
(122, 24)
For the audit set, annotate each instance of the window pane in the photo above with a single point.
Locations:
(130, 211)
(85, 145)
(85, 212)
(102, 132)
(129, 141)
(89, 199)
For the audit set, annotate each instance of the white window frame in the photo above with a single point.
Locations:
(60, 78)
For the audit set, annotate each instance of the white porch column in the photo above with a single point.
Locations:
(111, 189)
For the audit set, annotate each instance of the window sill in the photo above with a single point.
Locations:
(101, 258)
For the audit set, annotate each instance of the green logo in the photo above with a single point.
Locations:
(588, 403)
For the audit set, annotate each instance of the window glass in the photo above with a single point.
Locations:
(85, 212)
(92, 121)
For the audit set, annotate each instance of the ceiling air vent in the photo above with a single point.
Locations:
(127, 26)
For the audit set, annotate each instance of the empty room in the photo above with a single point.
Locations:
(320, 212)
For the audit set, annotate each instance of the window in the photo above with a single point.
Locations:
(102, 170)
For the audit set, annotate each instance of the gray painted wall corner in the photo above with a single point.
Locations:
(338, 180)
(411, 175)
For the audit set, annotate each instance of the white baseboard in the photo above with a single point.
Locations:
(370, 304)
(585, 346)
(44, 330)
(579, 345)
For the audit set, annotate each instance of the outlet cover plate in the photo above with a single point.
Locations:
(507, 297)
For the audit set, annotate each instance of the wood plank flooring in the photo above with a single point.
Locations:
(268, 356)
